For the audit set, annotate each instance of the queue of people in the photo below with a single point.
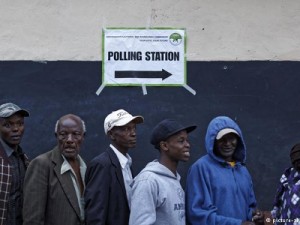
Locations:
(59, 187)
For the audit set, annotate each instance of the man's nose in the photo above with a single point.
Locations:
(15, 128)
(187, 144)
(70, 138)
(133, 132)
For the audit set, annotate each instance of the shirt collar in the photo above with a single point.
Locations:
(66, 165)
(124, 160)
(8, 150)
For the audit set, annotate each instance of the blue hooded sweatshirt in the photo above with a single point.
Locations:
(216, 192)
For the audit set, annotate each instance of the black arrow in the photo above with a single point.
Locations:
(163, 74)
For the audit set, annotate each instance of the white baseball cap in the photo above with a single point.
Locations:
(120, 118)
(222, 132)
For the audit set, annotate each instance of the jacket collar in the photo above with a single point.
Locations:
(65, 180)
(115, 162)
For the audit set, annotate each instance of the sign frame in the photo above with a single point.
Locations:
(184, 75)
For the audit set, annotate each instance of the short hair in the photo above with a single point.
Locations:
(82, 124)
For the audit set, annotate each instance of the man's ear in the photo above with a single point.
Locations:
(163, 146)
(83, 136)
(111, 135)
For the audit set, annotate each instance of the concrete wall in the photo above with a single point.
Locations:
(217, 30)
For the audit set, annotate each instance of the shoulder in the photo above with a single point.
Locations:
(205, 167)
(100, 168)
(103, 161)
(145, 175)
(39, 167)
(287, 174)
(146, 180)
(242, 169)
(42, 158)
(149, 177)
(204, 161)
(289, 171)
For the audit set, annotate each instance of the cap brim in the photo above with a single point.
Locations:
(225, 131)
(23, 112)
(135, 119)
(190, 128)
(138, 119)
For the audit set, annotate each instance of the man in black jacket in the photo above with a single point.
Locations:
(108, 176)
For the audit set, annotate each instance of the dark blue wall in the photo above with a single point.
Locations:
(262, 96)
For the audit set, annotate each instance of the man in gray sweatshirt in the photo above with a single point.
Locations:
(157, 195)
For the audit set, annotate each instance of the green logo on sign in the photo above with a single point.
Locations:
(175, 39)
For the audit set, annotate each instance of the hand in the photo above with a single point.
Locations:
(258, 217)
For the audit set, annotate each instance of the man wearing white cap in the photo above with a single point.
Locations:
(219, 188)
(108, 176)
(13, 163)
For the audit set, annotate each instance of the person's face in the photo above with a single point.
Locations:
(12, 129)
(124, 137)
(177, 147)
(296, 164)
(295, 159)
(226, 146)
(70, 135)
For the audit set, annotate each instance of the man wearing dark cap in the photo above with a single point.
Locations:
(286, 208)
(157, 196)
(13, 163)
(108, 176)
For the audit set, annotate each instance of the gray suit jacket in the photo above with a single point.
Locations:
(49, 197)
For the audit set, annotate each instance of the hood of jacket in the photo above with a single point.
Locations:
(220, 123)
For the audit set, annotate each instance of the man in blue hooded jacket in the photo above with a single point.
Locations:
(219, 188)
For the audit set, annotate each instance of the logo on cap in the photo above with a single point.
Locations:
(120, 118)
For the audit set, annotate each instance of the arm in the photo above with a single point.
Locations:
(35, 192)
(199, 204)
(143, 203)
(97, 193)
(277, 204)
(254, 214)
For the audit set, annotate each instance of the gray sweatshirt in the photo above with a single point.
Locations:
(157, 197)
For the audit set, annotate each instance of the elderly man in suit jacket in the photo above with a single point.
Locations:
(108, 176)
(53, 187)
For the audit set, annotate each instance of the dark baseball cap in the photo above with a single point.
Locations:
(166, 128)
(8, 109)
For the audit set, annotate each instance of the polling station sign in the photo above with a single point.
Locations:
(153, 56)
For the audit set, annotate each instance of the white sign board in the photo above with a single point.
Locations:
(153, 56)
